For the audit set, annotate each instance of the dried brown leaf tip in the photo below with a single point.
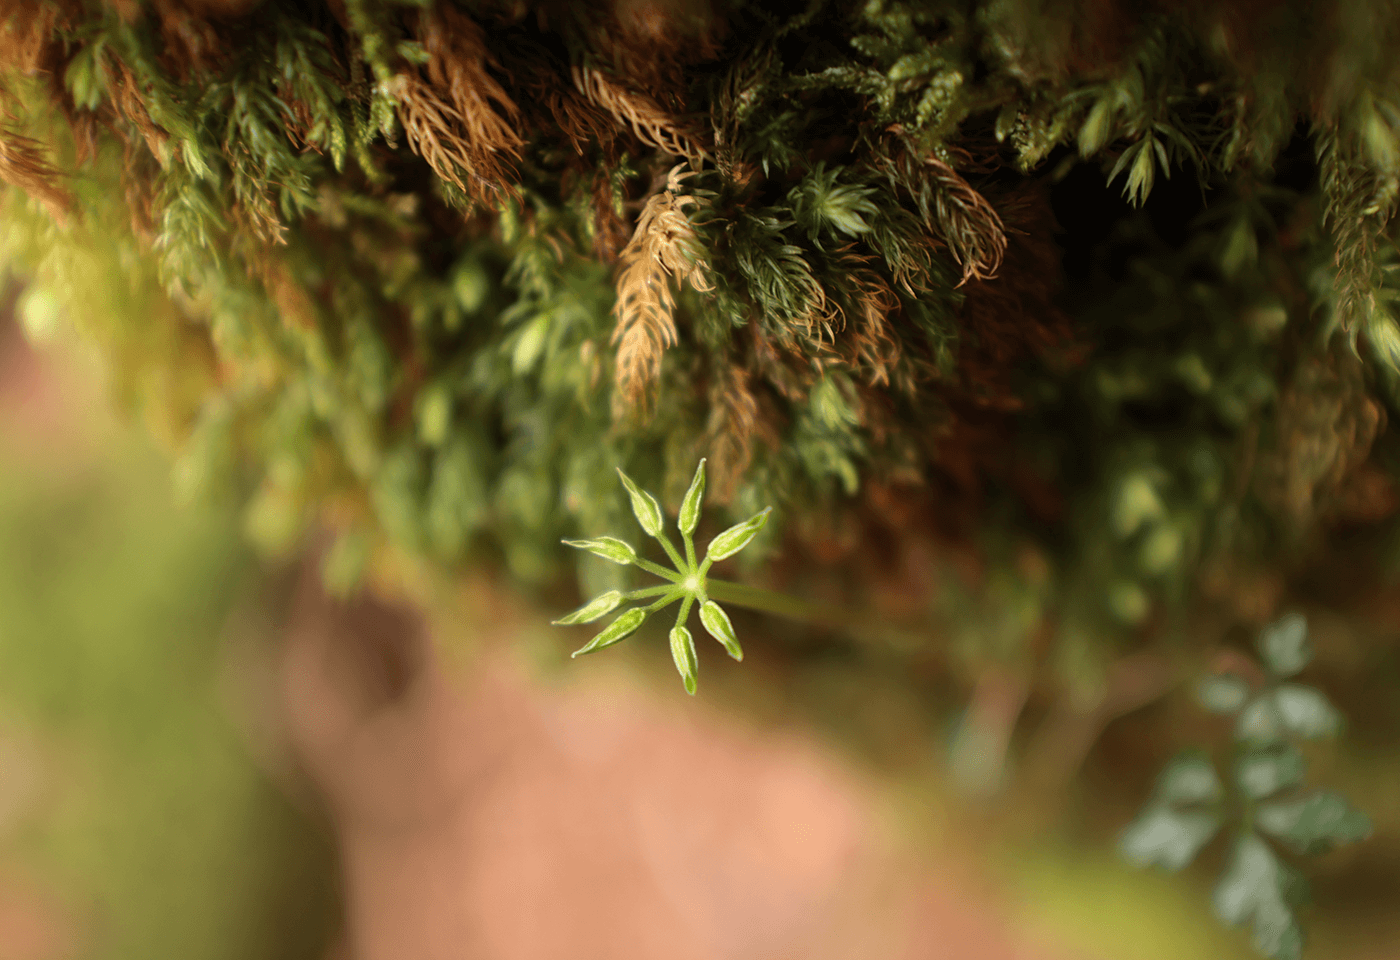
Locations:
(734, 424)
(27, 32)
(459, 118)
(193, 43)
(609, 229)
(457, 64)
(550, 105)
(131, 105)
(653, 45)
(951, 208)
(663, 245)
(872, 337)
(23, 164)
(970, 225)
(652, 125)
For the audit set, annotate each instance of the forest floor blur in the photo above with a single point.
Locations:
(184, 776)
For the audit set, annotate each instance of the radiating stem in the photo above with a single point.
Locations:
(817, 614)
(670, 596)
(685, 610)
(769, 601)
(671, 552)
(689, 549)
(657, 569)
(648, 592)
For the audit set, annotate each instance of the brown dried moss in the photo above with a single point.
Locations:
(952, 209)
(459, 118)
(24, 163)
(459, 67)
(663, 245)
(646, 119)
(1320, 436)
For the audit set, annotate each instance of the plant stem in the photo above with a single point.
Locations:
(670, 596)
(648, 592)
(816, 614)
(671, 551)
(657, 569)
(780, 604)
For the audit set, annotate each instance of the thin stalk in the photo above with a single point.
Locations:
(670, 596)
(816, 614)
(657, 569)
(671, 551)
(685, 610)
(689, 549)
(648, 592)
(769, 601)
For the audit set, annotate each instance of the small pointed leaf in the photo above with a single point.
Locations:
(1141, 175)
(737, 537)
(609, 548)
(1165, 837)
(1097, 126)
(1223, 693)
(1313, 824)
(599, 606)
(911, 65)
(1284, 645)
(620, 629)
(1123, 159)
(690, 507)
(1263, 773)
(644, 505)
(1189, 778)
(1257, 886)
(683, 652)
(1306, 712)
(1259, 722)
(717, 625)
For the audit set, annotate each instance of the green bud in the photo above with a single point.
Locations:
(1384, 334)
(434, 414)
(690, 506)
(620, 629)
(1137, 503)
(1094, 134)
(737, 537)
(597, 607)
(609, 548)
(683, 652)
(1284, 645)
(644, 505)
(717, 625)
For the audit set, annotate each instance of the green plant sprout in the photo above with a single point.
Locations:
(1268, 805)
(688, 582)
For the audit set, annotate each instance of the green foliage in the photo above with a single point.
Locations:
(773, 272)
(1189, 805)
(450, 375)
(820, 203)
(360, 264)
(128, 784)
(914, 64)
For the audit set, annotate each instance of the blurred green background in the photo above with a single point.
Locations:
(134, 818)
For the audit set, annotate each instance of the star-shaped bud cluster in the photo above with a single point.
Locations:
(686, 582)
